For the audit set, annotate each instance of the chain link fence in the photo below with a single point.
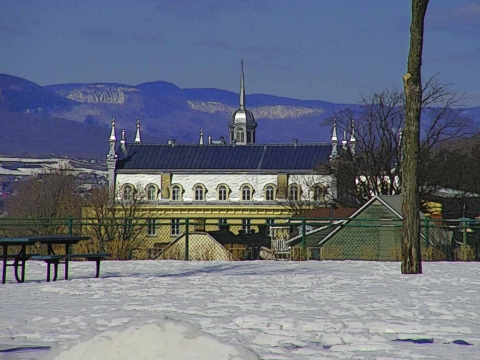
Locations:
(163, 238)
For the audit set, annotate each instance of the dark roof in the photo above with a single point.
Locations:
(324, 213)
(223, 157)
(227, 237)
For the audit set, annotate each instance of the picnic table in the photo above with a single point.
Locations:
(21, 257)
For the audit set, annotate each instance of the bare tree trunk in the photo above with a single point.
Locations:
(412, 80)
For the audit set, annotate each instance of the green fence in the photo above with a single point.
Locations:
(257, 238)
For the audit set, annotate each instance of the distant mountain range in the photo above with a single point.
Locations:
(73, 119)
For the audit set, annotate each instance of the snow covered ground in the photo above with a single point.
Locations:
(278, 310)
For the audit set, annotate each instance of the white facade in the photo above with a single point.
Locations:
(234, 183)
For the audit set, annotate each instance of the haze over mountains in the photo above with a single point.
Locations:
(73, 119)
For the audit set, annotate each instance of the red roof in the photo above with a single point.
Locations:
(325, 213)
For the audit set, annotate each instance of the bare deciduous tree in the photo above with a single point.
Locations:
(116, 227)
(305, 193)
(48, 195)
(376, 165)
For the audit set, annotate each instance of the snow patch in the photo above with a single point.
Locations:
(163, 339)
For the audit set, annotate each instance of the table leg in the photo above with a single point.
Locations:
(4, 268)
(24, 252)
(48, 271)
(20, 262)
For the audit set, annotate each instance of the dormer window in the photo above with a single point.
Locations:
(199, 192)
(269, 193)
(293, 192)
(151, 192)
(222, 193)
(128, 192)
(246, 192)
(176, 193)
(318, 192)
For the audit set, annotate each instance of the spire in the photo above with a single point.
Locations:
(334, 153)
(137, 134)
(123, 142)
(334, 134)
(352, 136)
(242, 89)
(353, 141)
(344, 141)
(112, 133)
(201, 137)
(112, 143)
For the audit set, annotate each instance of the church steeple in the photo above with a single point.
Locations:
(242, 89)
(242, 122)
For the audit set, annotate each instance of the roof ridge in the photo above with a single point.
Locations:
(231, 145)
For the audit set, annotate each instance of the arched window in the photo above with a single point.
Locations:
(293, 192)
(151, 192)
(176, 193)
(128, 192)
(199, 193)
(318, 192)
(222, 193)
(269, 192)
(240, 135)
(246, 191)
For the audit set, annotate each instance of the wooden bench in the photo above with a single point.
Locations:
(55, 260)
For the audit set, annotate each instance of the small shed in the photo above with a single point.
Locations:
(373, 232)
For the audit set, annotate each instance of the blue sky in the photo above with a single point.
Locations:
(330, 50)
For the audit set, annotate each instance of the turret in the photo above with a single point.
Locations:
(334, 141)
(111, 162)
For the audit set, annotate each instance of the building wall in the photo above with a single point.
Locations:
(212, 181)
(367, 240)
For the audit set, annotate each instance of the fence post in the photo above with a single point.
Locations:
(70, 226)
(186, 238)
(427, 223)
(304, 238)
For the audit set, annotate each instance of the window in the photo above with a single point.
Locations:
(246, 193)
(222, 193)
(269, 193)
(240, 135)
(175, 227)
(318, 193)
(176, 193)
(128, 192)
(199, 192)
(293, 192)
(151, 227)
(151, 192)
(246, 226)
(269, 223)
